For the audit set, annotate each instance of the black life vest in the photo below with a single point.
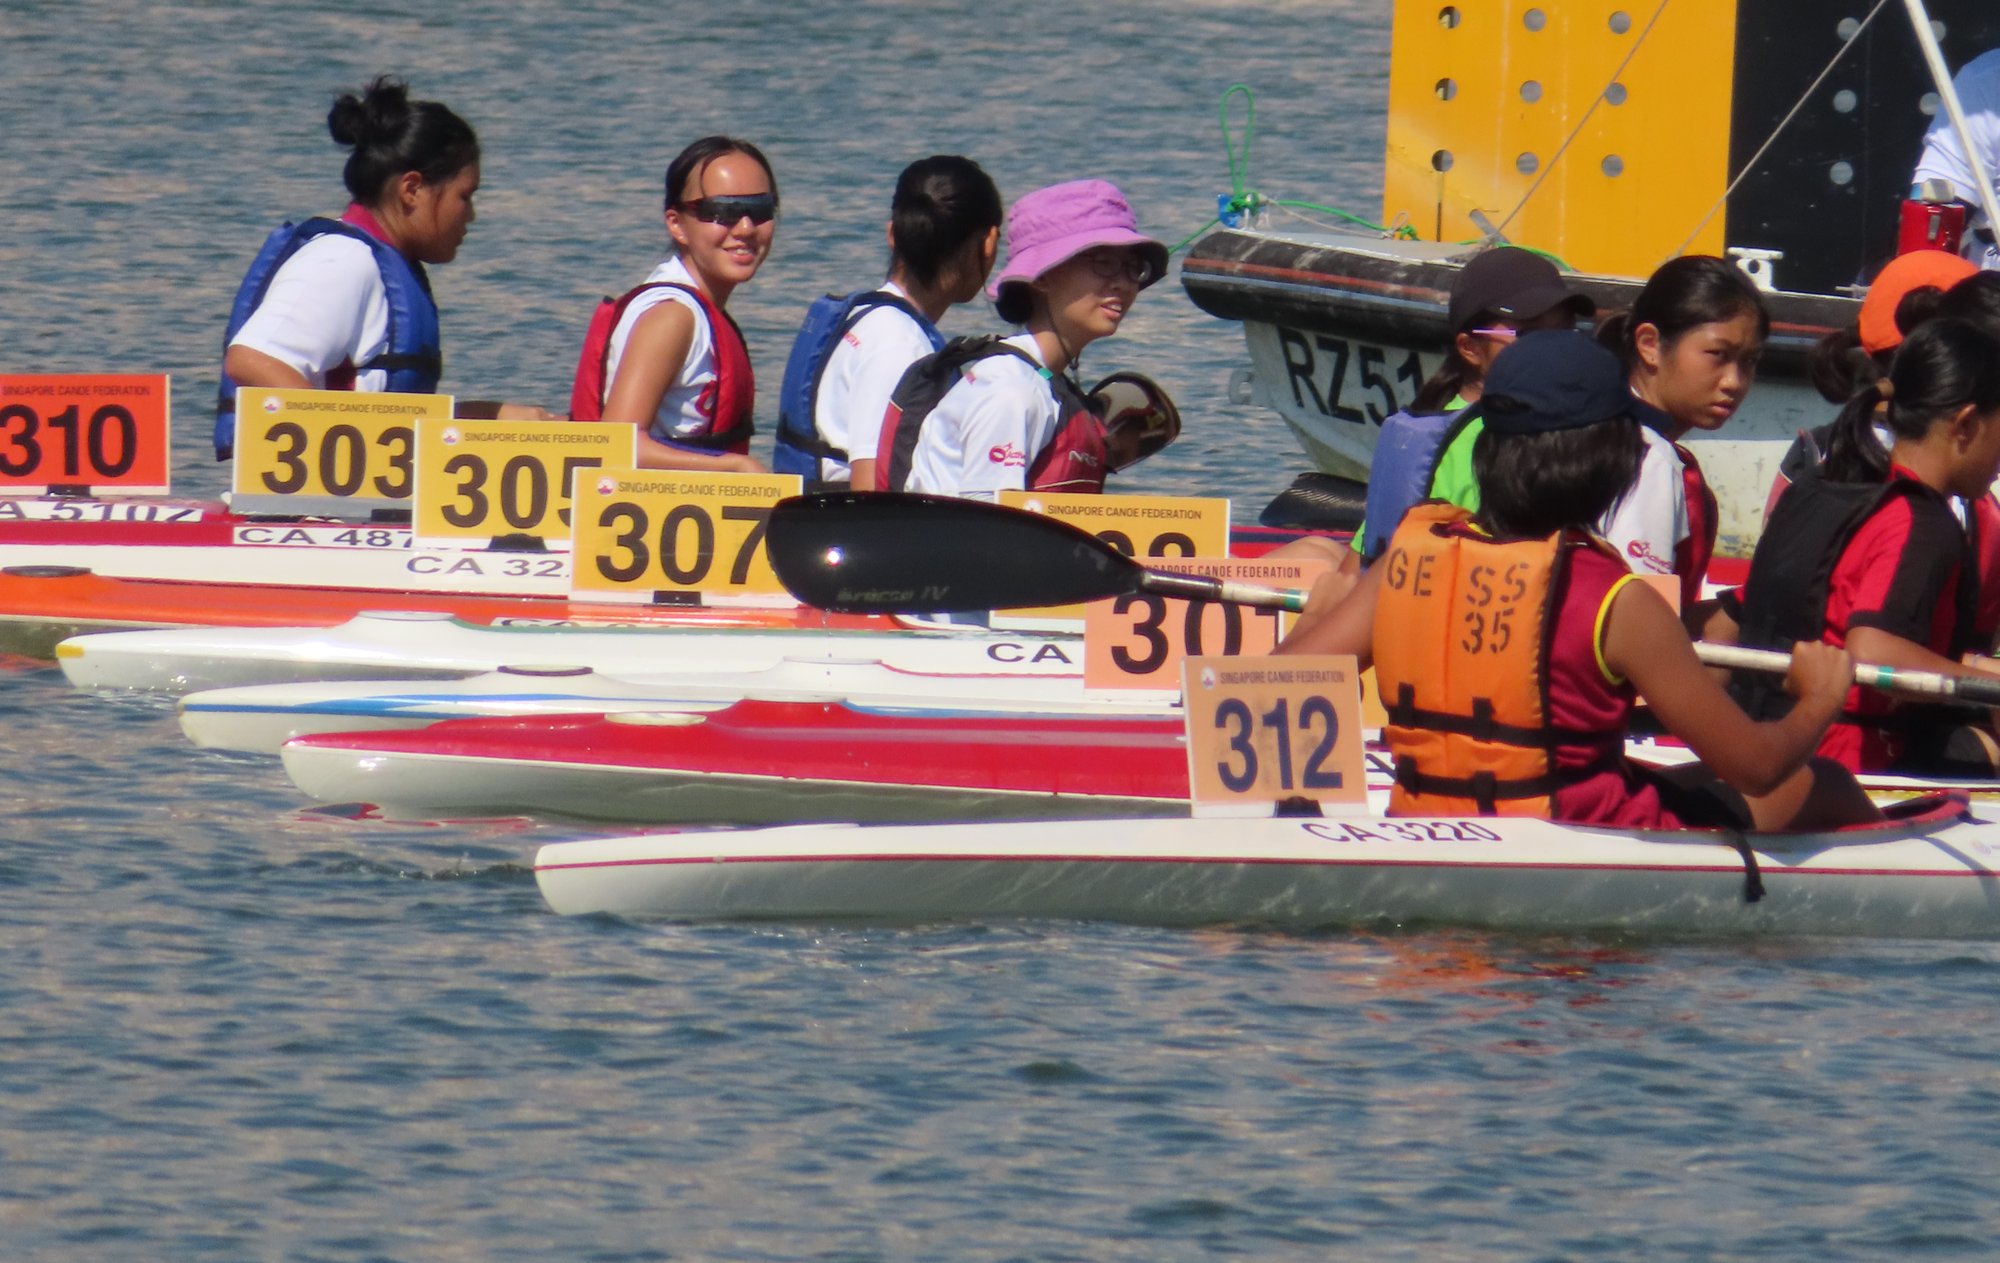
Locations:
(1073, 460)
(1791, 574)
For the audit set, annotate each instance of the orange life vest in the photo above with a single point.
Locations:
(1461, 647)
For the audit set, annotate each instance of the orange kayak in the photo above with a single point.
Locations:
(40, 605)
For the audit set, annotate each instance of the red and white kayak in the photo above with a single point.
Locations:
(756, 762)
(259, 718)
(41, 606)
(193, 542)
(414, 645)
(1930, 873)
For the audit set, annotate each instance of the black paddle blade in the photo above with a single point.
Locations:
(885, 553)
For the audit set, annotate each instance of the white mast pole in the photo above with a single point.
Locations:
(1920, 19)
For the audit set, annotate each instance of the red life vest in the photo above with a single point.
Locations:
(1074, 459)
(727, 402)
(1693, 554)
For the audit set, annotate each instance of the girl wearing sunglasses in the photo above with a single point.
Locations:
(673, 362)
(345, 304)
(988, 415)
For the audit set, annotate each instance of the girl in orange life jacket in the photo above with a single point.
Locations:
(1868, 552)
(675, 363)
(1017, 418)
(1691, 344)
(1511, 646)
(346, 305)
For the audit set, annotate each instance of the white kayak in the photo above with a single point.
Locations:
(1931, 873)
(259, 718)
(411, 645)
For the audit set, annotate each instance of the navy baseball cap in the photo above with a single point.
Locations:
(1559, 379)
(1513, 284)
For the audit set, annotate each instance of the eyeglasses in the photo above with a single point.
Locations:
(758, 208)
(1109, 265)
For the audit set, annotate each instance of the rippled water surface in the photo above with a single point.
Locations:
(233, 1027)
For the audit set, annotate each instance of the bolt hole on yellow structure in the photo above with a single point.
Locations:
(1596, 130)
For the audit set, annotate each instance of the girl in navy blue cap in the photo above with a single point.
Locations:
(1511, 646)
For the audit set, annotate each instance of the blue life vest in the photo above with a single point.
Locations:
(412, 359)
(800, 445)
(1405, 462)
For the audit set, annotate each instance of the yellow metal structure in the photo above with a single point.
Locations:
(1483, 94)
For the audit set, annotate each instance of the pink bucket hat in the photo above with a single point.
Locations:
(1053, 225)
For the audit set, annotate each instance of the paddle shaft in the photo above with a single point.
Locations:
(1932, 684)
(1202, 588)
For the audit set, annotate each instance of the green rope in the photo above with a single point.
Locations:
(1242, 198)
(1239, 169)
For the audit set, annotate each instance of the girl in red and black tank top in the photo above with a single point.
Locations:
(1560, 445)
(1901, 563)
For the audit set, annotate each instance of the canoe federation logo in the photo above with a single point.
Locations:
(607, 486)
(450, 437)
(1208, 677)
(272, 405)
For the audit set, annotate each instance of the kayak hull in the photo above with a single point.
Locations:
(1929, 877)
(261, 718)
(760, 762)
(41, 606)
(410, 645)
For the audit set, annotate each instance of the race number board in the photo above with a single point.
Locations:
(1262, 731)
(481, 482)
(85, 432)
(1138, 526)
(1139, 641)
(337, 453)
(662, 535)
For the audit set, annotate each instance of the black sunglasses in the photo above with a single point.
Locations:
(759, 208)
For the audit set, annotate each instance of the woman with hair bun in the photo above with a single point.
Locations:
(345, 304)
(944, 230)
(667, 357)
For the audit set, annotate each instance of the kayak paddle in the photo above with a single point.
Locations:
(885, 553)
(1975, 691)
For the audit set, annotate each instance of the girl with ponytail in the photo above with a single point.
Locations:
(1870, 552)
(1690, 346)
(944, 231)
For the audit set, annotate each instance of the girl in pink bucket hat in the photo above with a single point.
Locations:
(985, 415)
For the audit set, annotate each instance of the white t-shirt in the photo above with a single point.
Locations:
(326, 306)
(861, 372)
(677, 416)
(1648, 525)
(1978, 86)
(987, 430)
